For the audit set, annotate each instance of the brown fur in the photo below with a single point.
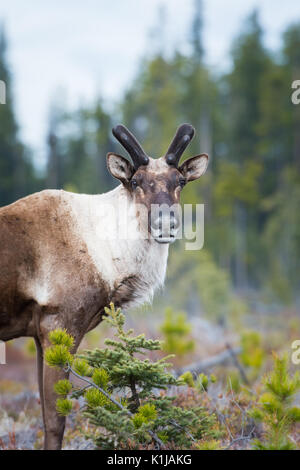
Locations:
(31, 229)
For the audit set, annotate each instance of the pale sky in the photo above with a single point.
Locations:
(78, 50)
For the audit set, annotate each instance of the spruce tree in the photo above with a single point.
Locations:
(126, 395)
(275, 408)
(16, 170)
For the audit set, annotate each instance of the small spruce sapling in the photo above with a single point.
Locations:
(275, 408)
(125, 395)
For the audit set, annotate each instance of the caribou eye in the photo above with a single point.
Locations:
(182, 182)
(133, 184)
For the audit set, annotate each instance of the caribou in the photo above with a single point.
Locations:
(61, 262)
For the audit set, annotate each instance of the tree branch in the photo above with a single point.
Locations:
(201, 366)
(118, 404)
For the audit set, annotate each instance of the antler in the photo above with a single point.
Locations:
(182, 138)
(129, 142)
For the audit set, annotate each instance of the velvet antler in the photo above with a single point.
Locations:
(182, 138)
(129, 142)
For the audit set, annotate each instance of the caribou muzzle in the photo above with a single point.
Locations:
(164, 223)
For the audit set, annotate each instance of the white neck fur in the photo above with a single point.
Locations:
(115, 258)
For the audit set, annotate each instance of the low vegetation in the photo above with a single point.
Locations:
(128, 401)
(127, 397)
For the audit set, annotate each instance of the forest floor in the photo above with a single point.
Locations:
(21, 425)
(20, 411)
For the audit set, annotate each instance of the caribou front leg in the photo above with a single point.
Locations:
(54, 424)
(40, 373)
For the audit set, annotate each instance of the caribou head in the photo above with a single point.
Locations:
(156, 184)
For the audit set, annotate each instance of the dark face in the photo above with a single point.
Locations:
(160, 194)
(157, 188)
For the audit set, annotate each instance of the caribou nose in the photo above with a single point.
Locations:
(165, 225)
(166, 219)
(174, 222)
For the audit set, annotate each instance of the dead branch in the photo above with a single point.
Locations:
(237, 363)
(219, 359)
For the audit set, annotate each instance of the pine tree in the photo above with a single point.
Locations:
(125, 396)
(197, 30)
(275, 408)
(16, 171)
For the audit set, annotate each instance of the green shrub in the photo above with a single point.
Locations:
(95, 398)
(81, 367)
(252, 354)
(101, 378)
(58, 355)
(275, 410)
(125, 399)
(188, 379)
(60, 336)
(201, 383)
(63, 387)
(64, 406)
(176, 332)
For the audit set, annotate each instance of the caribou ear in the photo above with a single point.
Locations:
(119, 167)
(194, 167)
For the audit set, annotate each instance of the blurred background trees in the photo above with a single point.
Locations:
(16, 170)
(247, 123)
